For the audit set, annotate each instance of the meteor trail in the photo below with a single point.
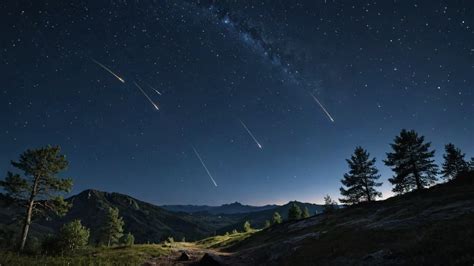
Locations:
(322, 107)
(108, 70)
(251, 135)
(157, 92)
(146, 95)
(204, 165)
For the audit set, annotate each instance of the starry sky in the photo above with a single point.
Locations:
(234, 83)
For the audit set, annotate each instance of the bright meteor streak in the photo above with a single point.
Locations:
(108, 70)
(204, 165)
(251, 135)
(322, 107)
(157, 92)
(146, 95)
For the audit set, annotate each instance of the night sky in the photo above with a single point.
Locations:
(237, 80)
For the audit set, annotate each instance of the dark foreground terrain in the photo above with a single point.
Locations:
(430, 227)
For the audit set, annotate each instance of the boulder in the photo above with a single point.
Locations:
(209, 260)
(184, 256)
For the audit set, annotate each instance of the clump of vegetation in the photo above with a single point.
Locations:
(73, 236)
(128, 239)
(294, 213)
(276, 219)
(305, 213)
(329, 204)
(247, 227)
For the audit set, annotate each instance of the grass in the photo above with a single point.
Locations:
(223, 241)
(134, 255)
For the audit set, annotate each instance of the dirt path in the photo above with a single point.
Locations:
(195, 254)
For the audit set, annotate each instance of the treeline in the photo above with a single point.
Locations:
(412, 161)
(39, 191)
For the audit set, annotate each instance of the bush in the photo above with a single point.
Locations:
(73, 236)
(247, 226)
(128, 239)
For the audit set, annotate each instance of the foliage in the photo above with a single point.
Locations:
(412, 161)
(305, 213)
(247, 226)
(454, 162)
(360, 182)
(39, 188)
(113, 229)
(294, 213)
(135, 255)
(235, 231)
(276, 219)
(73, 236)
(329, 204)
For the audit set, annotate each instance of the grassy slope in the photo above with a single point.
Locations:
(135, 255)
(435, 226)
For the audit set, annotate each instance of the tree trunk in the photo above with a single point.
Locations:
(29, 213)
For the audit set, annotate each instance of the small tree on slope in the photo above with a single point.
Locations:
(360, 182)
(113, 229)
(454, 162)
(294, 213)
(412, 161)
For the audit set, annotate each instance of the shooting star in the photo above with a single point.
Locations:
(204, 165)
(322, 107)
(157, 92)
(108, 70)
(251, 135)
(146, 95)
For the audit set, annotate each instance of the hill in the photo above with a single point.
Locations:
(232, 208)
(147, 222)
(430, 227)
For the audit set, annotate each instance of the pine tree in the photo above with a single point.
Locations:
(412, 161)
(294, 213)
(472, 164)
(361, 179)
(454, 162)
(73, 236)
(329, 204)
(305, 213)
(113, 229)
(40, 187)
(276, 218)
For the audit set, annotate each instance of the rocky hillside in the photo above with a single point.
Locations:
(430, 227)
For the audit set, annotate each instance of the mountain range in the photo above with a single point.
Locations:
(147, 222)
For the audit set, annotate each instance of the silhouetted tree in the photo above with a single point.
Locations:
(276, 218)
(113, 229)
(247, 226)
(412, 162)
(472, 164)
(454, 162)
(305, 213)
(361, 179)
(39, 189)
(329, 204)
(294, 213)
(73, 235)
